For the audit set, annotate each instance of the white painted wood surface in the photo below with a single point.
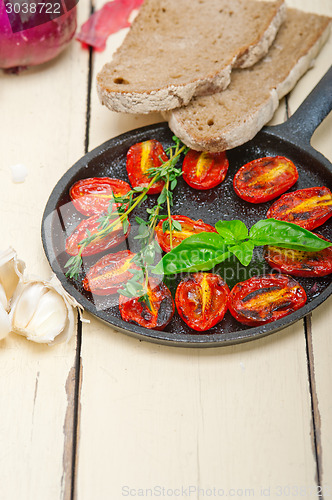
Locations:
(233, 421)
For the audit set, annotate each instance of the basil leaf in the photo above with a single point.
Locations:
(232, 230)
(243, 252)
(285, 235)
(199, 252)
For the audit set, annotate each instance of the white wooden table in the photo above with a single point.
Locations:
(107, 416)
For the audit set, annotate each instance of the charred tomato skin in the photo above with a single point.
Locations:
(141, 157)
(308, 208)
(203, 170)
(138, 313)
(108, 275)
(265, 178)
(202, 300)
(263, 299)
(189, 227)
(93, 195)
(92, 224)
(299, 263)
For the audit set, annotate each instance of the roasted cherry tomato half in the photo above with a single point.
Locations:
(265, 178)
(308, 208)
(202, 300)
(140, 158)
(299, 263)
(189, 227)
(93, 195)
(109, 274)
(263, 299)
(92, 226)
(203, 170)
(156, 315)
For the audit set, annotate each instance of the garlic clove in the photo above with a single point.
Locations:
(71, 304)
(25, 303)
(11, 273)
(42, 311)
(67, 332)
(5, 323)
(49, 319)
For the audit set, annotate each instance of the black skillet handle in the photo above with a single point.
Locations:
(302, 124)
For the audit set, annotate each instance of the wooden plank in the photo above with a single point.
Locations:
(320, 351)
(225, 418)
(236, 419)
(42, 126)
(319, 326)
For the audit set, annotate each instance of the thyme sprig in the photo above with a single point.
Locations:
(137, 286)
(167, 172)
(170, 177)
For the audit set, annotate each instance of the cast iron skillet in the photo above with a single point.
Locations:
(291, 139)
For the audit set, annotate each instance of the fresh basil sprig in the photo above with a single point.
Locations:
(201, 252)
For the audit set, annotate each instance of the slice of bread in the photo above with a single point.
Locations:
(232, 117)
(177, 49)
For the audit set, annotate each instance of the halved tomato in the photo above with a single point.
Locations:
(203, 170)
(263, 299)
(202, 300)
(108, 275)
(189, 227)
(93, 195)
(89, 227)
(308, 208)
(159, 312)
(140, 158)
(265, 178)
(299, 263)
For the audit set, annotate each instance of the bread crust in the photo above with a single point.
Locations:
(173, 95)
(243, 127)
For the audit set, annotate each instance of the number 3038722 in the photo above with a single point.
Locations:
(33, 8)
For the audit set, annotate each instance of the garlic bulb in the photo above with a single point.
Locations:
(42, 311)
(11, 272)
